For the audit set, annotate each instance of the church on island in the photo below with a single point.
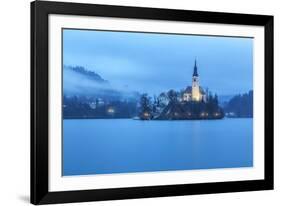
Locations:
(188, 104)
(194, 92)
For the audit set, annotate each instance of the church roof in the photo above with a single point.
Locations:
(195, 72)
(188, 89)
(202, 91)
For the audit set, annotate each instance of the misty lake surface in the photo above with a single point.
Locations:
(104, 146)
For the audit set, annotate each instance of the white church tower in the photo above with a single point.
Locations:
(195, 94)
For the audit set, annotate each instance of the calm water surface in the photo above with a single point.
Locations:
(95, 146)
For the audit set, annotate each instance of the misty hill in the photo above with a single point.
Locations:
(88, 95)
(91, 75)
(79, 81)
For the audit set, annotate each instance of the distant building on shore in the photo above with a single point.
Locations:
(194, 92)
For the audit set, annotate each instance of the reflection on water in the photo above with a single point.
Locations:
(92, 146)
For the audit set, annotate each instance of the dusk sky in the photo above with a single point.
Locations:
(154, 63)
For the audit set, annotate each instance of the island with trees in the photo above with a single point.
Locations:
(170, 106)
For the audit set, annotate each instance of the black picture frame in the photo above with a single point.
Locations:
(40, 109)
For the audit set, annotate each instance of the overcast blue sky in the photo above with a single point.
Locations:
(154, 63)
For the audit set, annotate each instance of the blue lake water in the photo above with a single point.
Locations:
(104, 146)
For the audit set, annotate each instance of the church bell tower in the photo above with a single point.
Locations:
(196, 96)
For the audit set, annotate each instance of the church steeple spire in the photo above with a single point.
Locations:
(195, 73)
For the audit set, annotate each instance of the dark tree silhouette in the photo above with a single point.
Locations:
(145, 107)
(172, 95)
(240, 105)
(82, 107)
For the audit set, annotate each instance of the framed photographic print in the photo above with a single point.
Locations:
(131, 102)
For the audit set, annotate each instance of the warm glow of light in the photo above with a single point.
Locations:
(110, 110)
(196, 96)
(203, 114)
(146, 114)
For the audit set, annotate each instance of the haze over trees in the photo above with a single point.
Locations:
(88, 95)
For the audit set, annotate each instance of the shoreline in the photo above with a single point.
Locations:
(91, 118)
